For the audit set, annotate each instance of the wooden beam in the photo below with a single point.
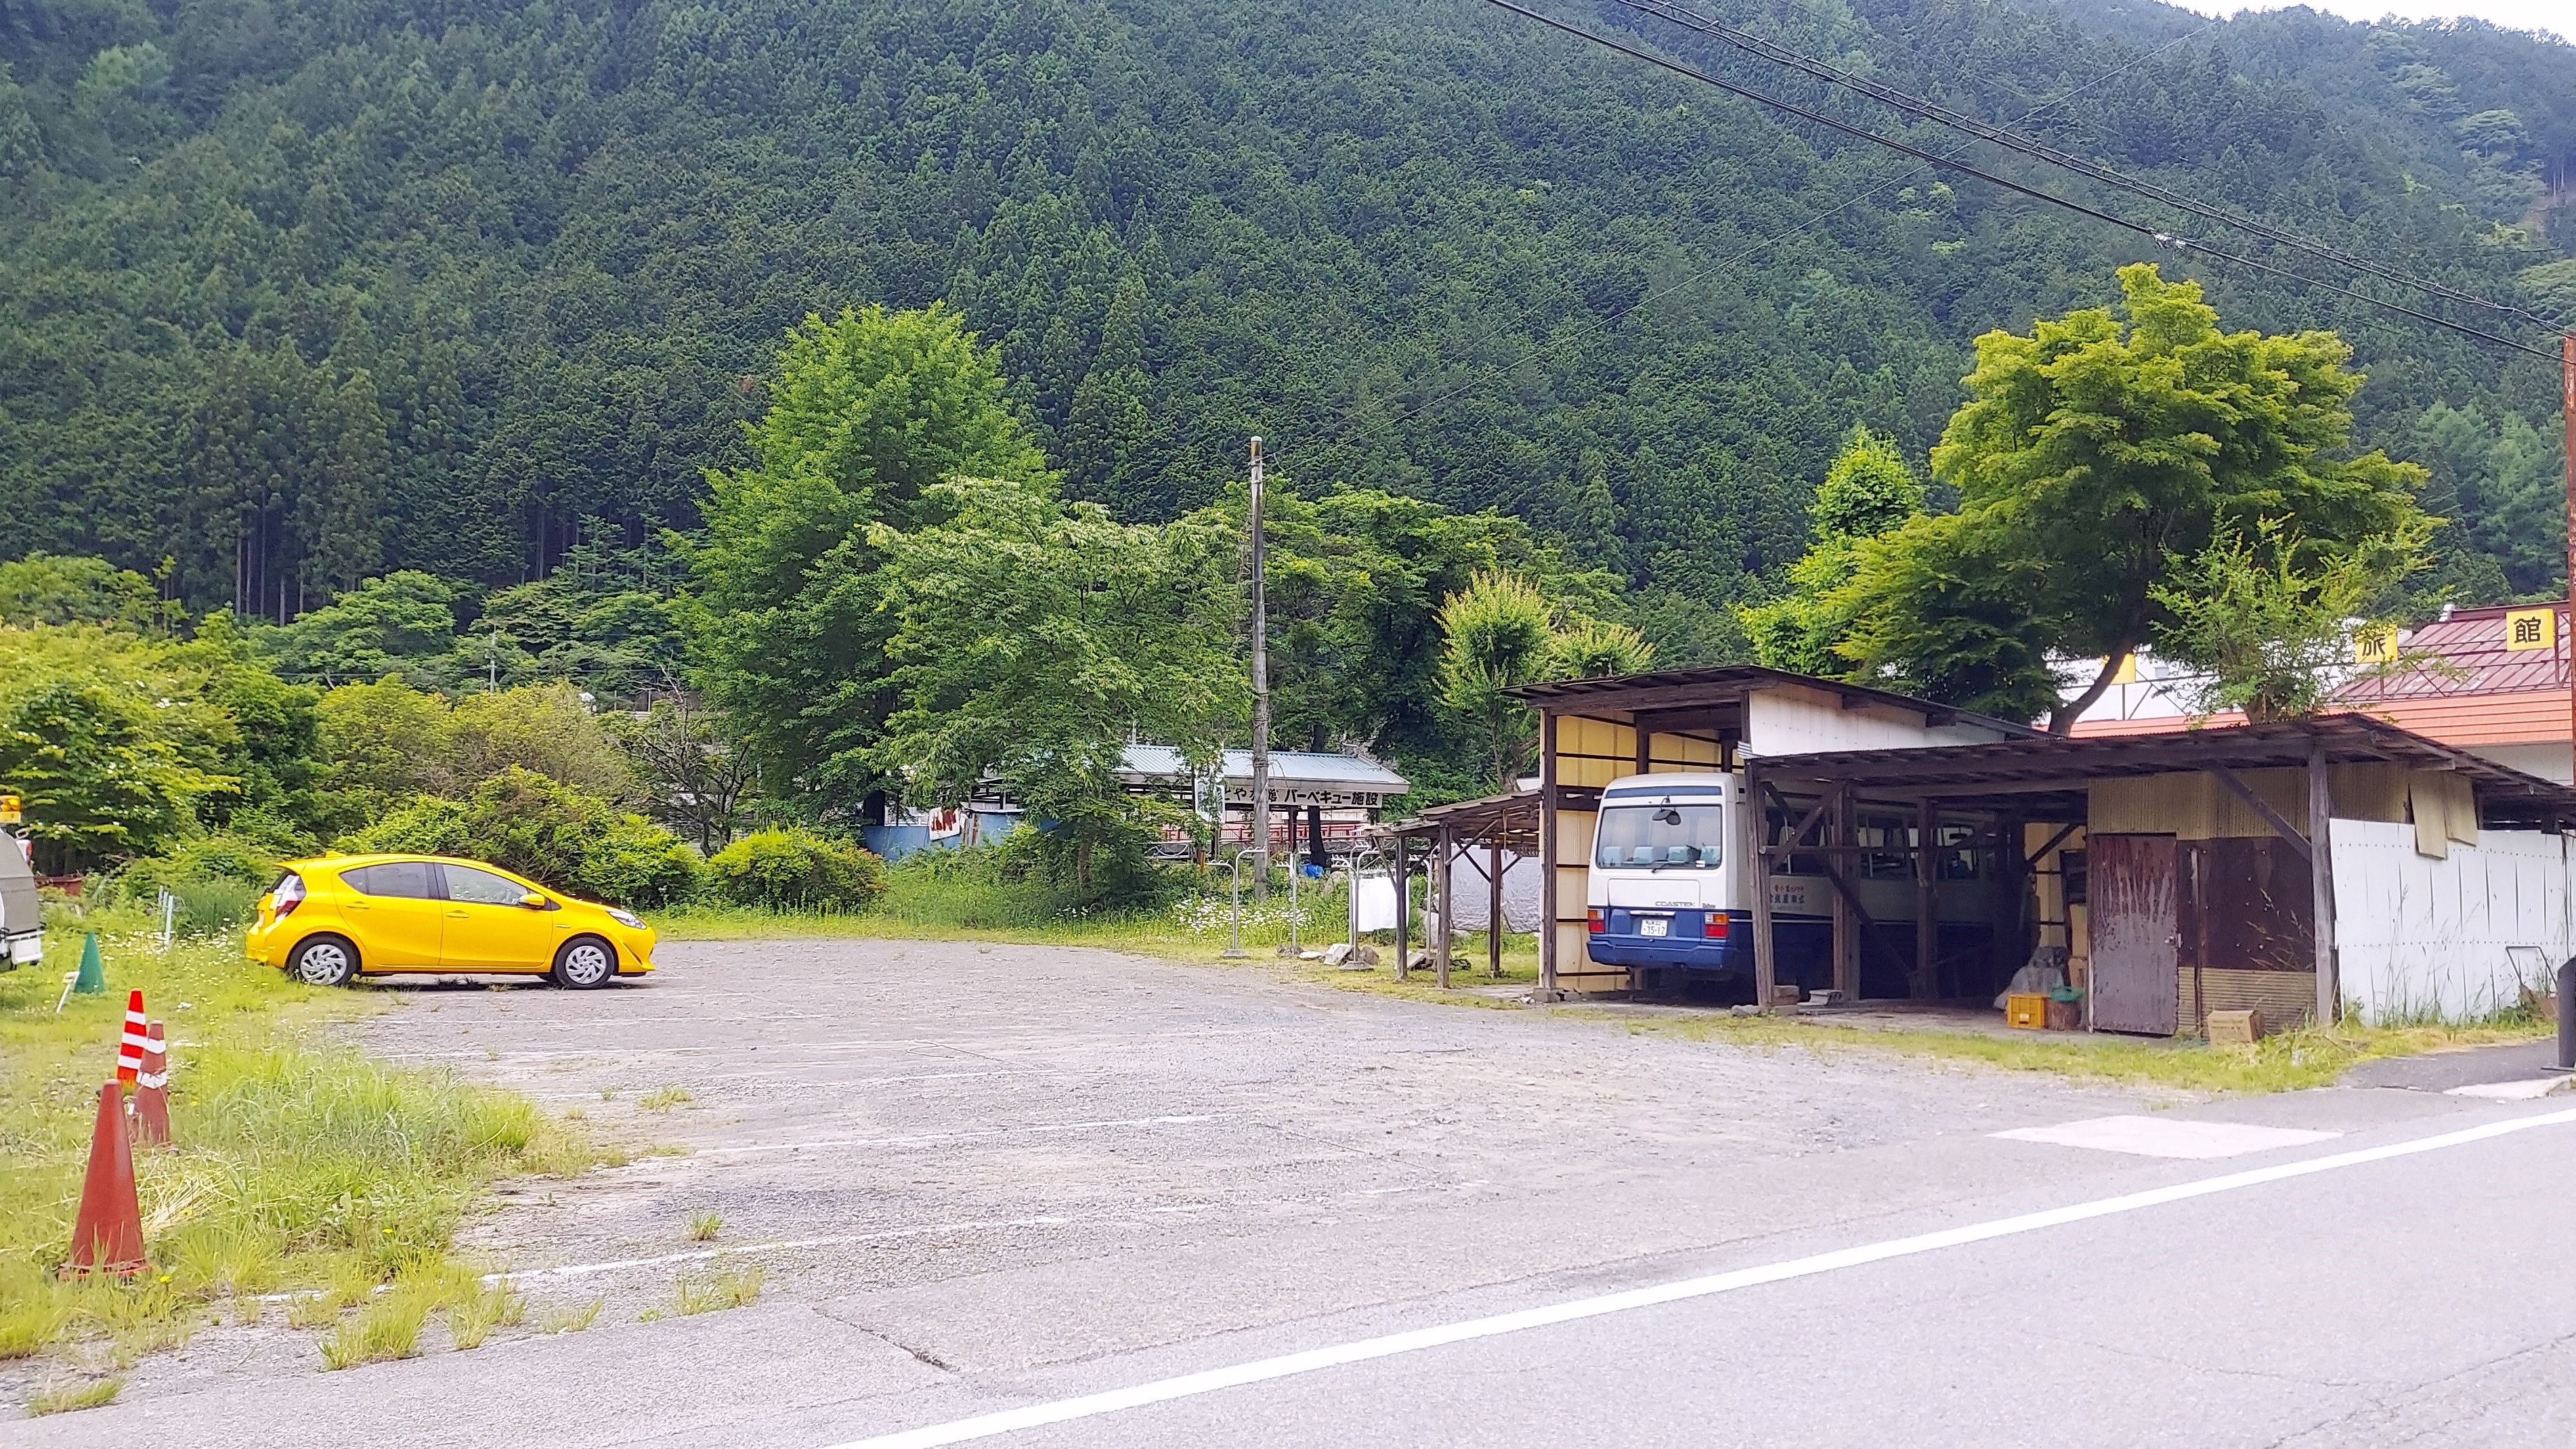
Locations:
(1547, 854)
(2299, 844)
(1925, 983)
(2321, 883)
(1403, 901)
(1751, 829)
(1441, 881)
(1847, 911)
(2054, 841)
(1494, 910)
(1645, 741)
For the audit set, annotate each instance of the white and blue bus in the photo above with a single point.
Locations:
(1667, 898)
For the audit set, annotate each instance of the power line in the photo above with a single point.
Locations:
(2055, 156)
(2160, 236)
(1596, 322)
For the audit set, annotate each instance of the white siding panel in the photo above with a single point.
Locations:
(2425, 939)
(1785, 720)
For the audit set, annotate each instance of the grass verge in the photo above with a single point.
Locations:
(296, 1164)
(2283, 1062)
(63, 1399)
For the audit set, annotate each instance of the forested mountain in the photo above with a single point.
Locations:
(298, 292)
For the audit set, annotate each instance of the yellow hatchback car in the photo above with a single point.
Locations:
(330, 920)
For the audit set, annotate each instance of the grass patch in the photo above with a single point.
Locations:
(663, 1099)
(386, 1328)
(704, 1225)
(297, 1164)
(571, 1319)
(2283, 1062)
(722, 1289)
(97, 1393)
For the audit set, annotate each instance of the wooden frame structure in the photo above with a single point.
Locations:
(2048, 780)
(1500, 824)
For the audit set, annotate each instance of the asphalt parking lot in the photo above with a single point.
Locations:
(954, 1161)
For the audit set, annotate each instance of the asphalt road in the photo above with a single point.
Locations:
(987, 1179)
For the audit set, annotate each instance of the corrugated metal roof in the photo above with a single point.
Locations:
(2469, 691)
(2466, 656)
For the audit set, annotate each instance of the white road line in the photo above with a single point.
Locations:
(961, 1136)
(986, 1426)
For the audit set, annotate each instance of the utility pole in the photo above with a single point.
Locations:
(1261, 695)
(2567, 416)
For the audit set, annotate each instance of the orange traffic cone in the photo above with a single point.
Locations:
(107, 1237)
(129, 1051)
(152, 1090)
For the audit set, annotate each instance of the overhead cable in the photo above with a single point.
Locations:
(2057, 156)
(2159, 235)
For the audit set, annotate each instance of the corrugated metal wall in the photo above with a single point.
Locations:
(2425, 939)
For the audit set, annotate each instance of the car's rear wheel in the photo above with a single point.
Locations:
(585, 962)
(324, 961)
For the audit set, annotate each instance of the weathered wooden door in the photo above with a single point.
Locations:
(2136, 932)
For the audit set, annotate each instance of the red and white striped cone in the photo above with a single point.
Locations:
(152, 1091)
(129, 1053)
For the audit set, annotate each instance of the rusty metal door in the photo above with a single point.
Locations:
(2136, 933)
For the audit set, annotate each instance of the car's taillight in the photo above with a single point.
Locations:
(288, 895)
(1713, 925)
(1598, 922)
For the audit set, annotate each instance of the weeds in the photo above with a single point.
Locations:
(62, 1400)
(663, 1099)
(481, 1307)
(387, 1328)
(704, 1225)
(725, 1288)
(296, 1164)
(571, 1320)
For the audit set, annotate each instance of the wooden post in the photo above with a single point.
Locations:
(1846, 922)
(1547, 854)
(1403, 901)
(1494, 907)
(1444, 843)
(1927, 923)
(2321, 881)
(1645, 742)
(1757, 866)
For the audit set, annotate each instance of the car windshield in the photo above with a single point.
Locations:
(1658, 837)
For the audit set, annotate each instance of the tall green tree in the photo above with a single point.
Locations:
(1502, 632)
(1870, 490)
(1034, 638)
(790, 609)
(2091, 454)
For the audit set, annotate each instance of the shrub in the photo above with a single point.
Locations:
(798, 870)
(547, 831)
(217, 880)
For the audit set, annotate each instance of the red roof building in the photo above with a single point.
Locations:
(2492, 681)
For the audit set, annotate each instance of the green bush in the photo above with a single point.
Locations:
(798, 870)
(217, 880)
(547, 831)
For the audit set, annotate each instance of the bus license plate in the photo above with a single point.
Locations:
(1654, 925)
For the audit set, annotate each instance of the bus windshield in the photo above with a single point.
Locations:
(1657, 837)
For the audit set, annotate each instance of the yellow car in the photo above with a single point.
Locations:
(327, 921)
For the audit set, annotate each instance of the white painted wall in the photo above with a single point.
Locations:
(2548, 761)
(2421, 937)
(1783, 720)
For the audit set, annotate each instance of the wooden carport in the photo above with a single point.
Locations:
(1495, 823)
(2046, 779)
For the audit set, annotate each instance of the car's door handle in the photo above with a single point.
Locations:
(460, 915)
(355, 906)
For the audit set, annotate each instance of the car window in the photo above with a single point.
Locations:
(411, 879)
(481, 887)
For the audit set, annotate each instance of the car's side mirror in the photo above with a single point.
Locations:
(534, 902)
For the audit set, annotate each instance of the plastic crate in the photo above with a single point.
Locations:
(2026, 1010)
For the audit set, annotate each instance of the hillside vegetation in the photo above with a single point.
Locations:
(295, 293)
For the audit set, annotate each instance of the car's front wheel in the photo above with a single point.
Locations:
(324, 961)
(585, 962)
